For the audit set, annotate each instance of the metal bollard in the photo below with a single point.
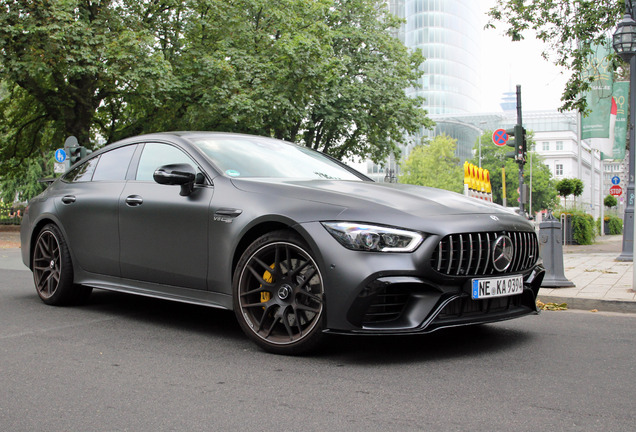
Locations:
(551, 250)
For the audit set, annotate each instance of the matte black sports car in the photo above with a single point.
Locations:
(296, 243)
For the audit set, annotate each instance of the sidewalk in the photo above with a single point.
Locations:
(601, 283)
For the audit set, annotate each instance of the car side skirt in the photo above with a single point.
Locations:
(166, 292)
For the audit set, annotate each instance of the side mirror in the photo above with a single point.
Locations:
(177, 174)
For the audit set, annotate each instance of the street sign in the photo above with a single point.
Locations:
(616, 190)
(616, 180)
(59, 168)
(60, 155)
(500, 137)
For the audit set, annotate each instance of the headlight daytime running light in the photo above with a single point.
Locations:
(372, 238)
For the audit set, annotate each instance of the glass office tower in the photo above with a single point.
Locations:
(448, 33)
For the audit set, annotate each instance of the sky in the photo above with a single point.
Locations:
(505, 64)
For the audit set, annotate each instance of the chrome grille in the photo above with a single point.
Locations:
(470, 254)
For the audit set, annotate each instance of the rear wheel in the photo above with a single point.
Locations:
(53, 269)
(279, 294)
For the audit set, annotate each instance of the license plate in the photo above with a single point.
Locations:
(497, 287)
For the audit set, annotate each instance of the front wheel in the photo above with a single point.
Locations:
(279, 294)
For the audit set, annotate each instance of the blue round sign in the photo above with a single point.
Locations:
(616, 180)
(60, 155)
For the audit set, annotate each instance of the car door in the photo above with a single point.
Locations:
(163, 236)
(88, 210)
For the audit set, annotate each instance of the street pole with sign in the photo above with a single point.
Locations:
(624, 43)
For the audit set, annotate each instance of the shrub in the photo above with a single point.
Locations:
(582, 226)
(10, 214)
(614, 225)
(610, 201)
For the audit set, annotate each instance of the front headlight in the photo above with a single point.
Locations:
(373, 238)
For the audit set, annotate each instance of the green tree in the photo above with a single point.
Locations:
(434, 164)
(610, 201)
(577, 188)
(324, 73)
(493, 158)
(569, 28)
(26, 186)
(544, 195)
(327, 74)
(63, 61)
(565, 187)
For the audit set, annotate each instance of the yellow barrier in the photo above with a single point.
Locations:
(477, 182)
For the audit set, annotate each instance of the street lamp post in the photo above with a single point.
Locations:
(624, 43)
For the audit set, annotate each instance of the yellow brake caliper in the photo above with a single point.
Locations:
(269, 278)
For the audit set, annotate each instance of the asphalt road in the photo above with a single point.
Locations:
(124, 363)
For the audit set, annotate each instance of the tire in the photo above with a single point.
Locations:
(279, 294)
(53, 270)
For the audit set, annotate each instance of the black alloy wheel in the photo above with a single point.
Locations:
(279, 294)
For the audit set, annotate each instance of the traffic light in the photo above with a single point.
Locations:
(76, 153)
(84, 152)
(517, 139)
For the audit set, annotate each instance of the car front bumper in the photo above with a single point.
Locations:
(400, 293)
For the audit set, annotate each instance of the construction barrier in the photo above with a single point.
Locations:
(477, 182)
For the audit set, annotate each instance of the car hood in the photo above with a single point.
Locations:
(367, 196)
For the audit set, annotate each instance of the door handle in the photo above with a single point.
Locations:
(134, 200)
(68, 199)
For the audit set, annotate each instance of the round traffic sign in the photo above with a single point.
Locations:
(616, 180)
(616, 190)
(500, 137)
(60, 155)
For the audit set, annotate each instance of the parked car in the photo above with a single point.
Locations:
(295, 242)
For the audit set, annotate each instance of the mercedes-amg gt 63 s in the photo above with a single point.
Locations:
(296, 243)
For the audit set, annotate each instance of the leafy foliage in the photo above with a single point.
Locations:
(23, 187)
(582, 226)
(434, 164)
(570, 29)
(569, 186)
(610, 201)
(326, 73)
(565, 187)
(577, 187)
(613, 225)
(10, 214)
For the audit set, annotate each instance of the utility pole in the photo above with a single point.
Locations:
(522, 160)
(520, 152)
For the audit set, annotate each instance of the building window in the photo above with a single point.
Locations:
(546, 146)
(558, 170)
(559, 145)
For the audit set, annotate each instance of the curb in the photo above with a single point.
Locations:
(622, 306)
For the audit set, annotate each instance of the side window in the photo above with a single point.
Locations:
(113, 164)
(156, 155)
(83, 172)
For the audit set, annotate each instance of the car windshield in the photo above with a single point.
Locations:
(241, 156)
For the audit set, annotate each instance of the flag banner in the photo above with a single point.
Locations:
(620, 100)
(599, 97)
